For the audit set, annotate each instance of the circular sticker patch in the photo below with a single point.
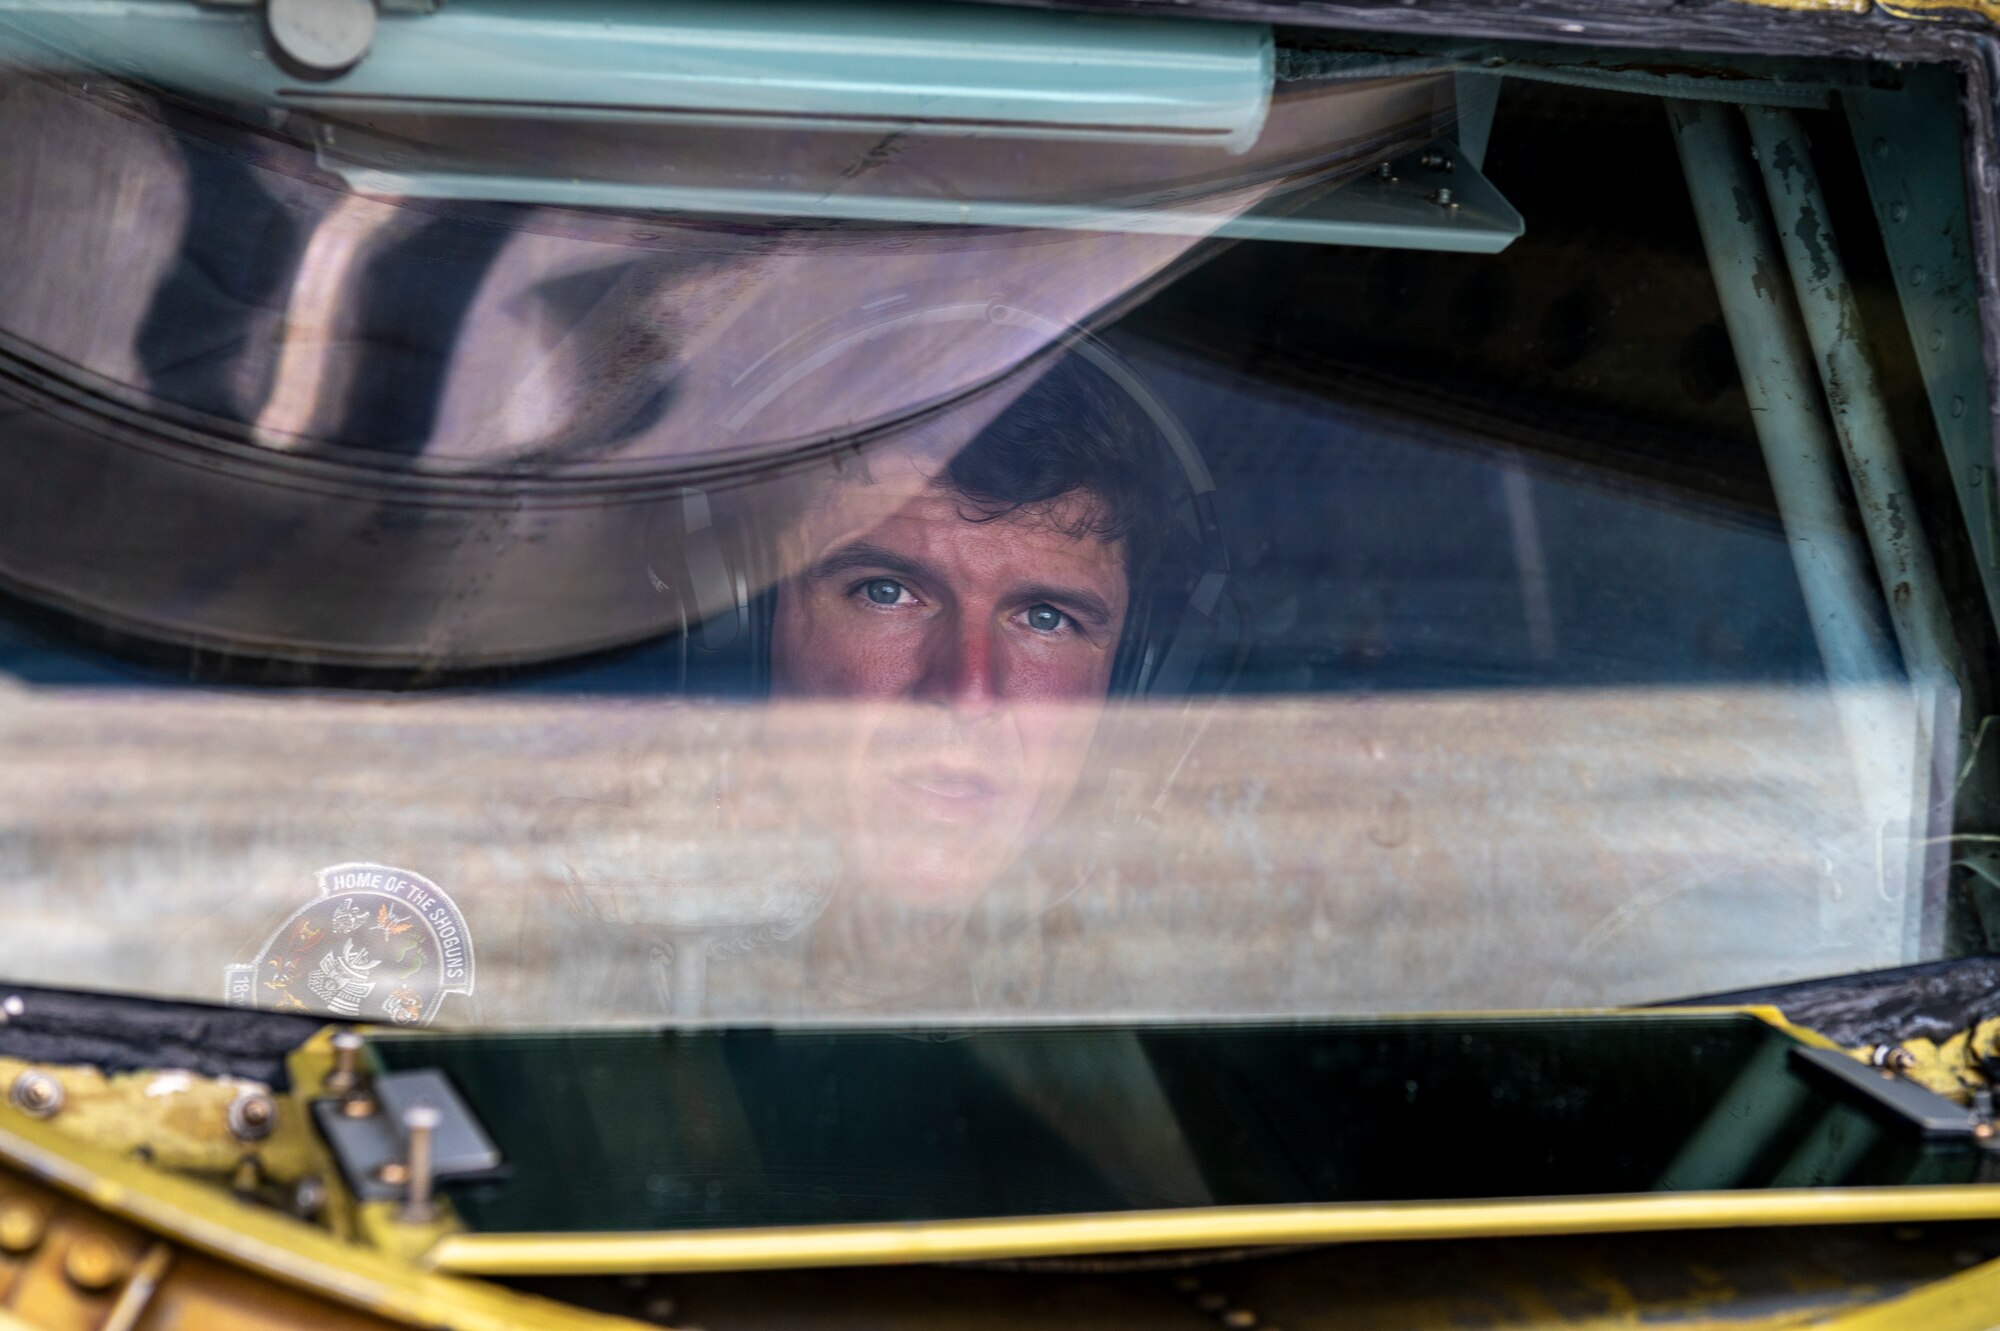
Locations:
(378, 944)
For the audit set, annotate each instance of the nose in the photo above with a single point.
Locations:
(962, 666)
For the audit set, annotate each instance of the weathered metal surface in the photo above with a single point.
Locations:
(1785, 402)
(1932, 1001)
(84, 1250)
(1776, 362)
(119, 1034)
(1875, 466)
(1912, 153)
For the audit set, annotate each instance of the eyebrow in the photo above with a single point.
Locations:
(860, 556)
(856, 556)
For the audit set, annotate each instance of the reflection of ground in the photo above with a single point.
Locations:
(1410, 851)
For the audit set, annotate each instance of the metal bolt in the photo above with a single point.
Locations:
(358, 1106)
(93, 1264)
(252, 1115)
(1893, 1058)
(419, 1123)
(346, 1074)
(1435, 161)
(37, 1094)
(1384, 172)
(394, 1174)
(1242, 1319)
(1441, 196)
(22, 1225)
(1983, 1131)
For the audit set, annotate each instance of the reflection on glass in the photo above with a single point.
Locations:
(746, 1128)
(748, 616)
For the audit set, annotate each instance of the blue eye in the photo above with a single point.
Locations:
(883, 591)
(1044, 618)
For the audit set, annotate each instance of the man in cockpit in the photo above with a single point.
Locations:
(971, 613)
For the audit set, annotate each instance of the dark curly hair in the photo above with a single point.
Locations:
(1074, 431)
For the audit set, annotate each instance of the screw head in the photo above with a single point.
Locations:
(22, 1225)
(93, 1264)
(252, 1116)
(37, 1094)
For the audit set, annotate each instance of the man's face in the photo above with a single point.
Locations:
(976, 655)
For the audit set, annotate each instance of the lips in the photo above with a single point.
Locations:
(950, 795)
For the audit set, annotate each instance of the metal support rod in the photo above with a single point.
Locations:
(1798, 443)
(1826, 302)
(420, 1125)
(1891, 733)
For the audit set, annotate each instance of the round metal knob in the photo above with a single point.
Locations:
(319, 39)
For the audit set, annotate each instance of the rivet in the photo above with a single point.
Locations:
(21, 1226)
(1899, 211)
(1881, 148)
(1957, 407)
(1917, 275)
(37, 1094)
(93, 1264)
(1240, 1318)
(1982, 1130)
(252, 1115)
(394, 1174)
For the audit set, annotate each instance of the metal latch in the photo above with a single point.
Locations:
(403, 1133)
